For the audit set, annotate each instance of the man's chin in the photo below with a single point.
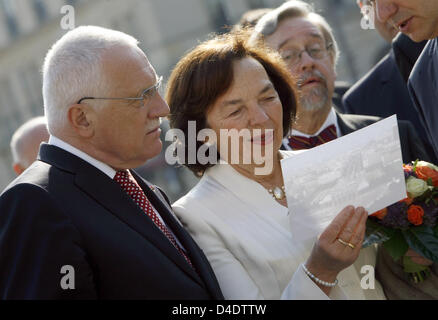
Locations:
(422, 34)
(153, 150)
(416, 37)
(313, 104)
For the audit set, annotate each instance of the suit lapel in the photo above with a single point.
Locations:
(344, 126)
(108, 193)
(194, 252)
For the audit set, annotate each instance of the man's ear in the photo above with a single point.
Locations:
(81, 118)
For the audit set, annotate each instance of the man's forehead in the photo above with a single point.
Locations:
(128, 71)
(295, 30)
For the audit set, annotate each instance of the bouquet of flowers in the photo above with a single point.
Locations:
(411, 223)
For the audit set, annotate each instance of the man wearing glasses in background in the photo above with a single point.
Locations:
(306, 42)
(79, 223)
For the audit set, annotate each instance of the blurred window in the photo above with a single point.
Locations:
(256, 4)
(218, 15)
(40, 9)
(9, 9)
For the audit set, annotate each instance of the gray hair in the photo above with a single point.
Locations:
(269, 23)
(32, 131)
(73, 69)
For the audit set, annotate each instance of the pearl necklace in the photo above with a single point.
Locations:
(278, 193)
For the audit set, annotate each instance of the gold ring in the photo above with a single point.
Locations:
(352, 246)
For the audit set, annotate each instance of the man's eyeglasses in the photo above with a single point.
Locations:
(317, 52)
(145, 95)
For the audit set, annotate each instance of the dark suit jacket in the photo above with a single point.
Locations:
(423, 87)
(383, 92)
(64, 211)
(411, 145)
(406, 53)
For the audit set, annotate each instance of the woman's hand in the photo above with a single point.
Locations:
(329, 255)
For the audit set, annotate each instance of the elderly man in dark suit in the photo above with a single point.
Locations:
(305, 41)
(79, 223)
(383, 90)
(419, 20)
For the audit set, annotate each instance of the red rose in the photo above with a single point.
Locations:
(425, 173)
(407, 200)
(380, 214)
(415, 214)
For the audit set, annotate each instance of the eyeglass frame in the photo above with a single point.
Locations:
(307, 50)
(155, 87)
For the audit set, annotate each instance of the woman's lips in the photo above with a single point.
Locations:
(264, 139)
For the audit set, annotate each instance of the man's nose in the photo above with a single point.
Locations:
(385, 9)
(159, 108)
(306, 62)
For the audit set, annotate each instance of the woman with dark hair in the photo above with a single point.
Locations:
(238, 215)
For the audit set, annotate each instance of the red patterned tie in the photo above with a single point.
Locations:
(128, 183)
(300, 142)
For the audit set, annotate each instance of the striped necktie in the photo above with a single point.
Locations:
(300, 142)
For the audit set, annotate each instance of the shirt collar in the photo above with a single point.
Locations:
(246, 189)
(110, 172)
(331, 119)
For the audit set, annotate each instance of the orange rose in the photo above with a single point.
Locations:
(415, 214)
(407, 200)
(380, 214)
(407, 167)
(425, 173)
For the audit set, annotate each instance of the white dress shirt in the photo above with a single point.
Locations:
(331, 119)
(109, 171)
(245, 235)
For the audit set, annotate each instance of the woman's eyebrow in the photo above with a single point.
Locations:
(268, 87)
(231, 102)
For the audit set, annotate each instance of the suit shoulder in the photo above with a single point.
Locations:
(367, 84)
(28, 203)
(198, 202)
(36, 174)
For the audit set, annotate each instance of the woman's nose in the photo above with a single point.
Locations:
(257, 115)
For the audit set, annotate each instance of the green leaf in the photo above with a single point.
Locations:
(411, 267)
(396, 246)
(423, 240)
(414, 167)
(376, 233)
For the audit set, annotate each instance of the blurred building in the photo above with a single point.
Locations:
(166, 30)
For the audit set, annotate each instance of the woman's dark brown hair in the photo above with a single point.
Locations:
(206, 73)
